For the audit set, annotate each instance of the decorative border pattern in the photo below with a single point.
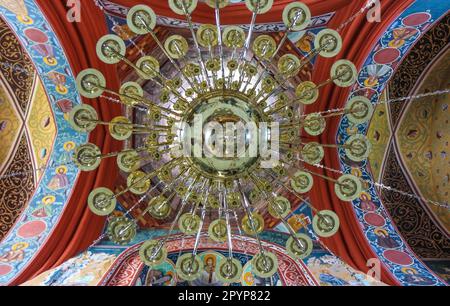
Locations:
(378, 69)
(45, 208)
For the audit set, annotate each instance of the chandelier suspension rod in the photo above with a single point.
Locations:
(197, 46)
(155, 72)
(172, 61)
(280, 44)
(219, 35)
(315, 210)
(180, 210)
(246, 206)
(227, 219)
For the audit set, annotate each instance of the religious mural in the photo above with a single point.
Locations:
(423, 139)
(379, 133)
(51, 137)
(420, 146)
(375, 73)
(331, 271)
(87, 269)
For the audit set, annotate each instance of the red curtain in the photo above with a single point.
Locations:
(359, 38)
(78, 227)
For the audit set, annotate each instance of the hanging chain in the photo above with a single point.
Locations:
(353, 17)
(388, 188)
(412, 98)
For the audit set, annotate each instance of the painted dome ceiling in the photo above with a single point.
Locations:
(27, 128)
(411, 147)
(96, 217)
(423, 139)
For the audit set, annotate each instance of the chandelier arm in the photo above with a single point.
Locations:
(135, 220)
(147, 103)
(249, 35)
(139, 70)
(172, 61)
(204, 193)
(276, 90)
(412, 98)
(136, 204)
(112, 154)
(213, 71)
(280, 183)
(244, 52)
(197, 239)
(197, 46)
(286, 33)
(270, 198)
(108, 123)
(314, 52)
(388, 188)
(315, 210)
(219, 31)
(231, 72)
(166, 188)
(238, 226)
(283, 80)
(267, 71)
(246, 205)
(141, 107)
(258, 206)
(280, 45)
(227, 219)
(306, 92)
(177, 217)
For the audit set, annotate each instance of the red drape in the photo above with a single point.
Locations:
(78, 227)
(359, 38)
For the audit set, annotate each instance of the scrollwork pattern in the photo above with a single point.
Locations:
(409, 215)
(17, 67)
(411, 69)
(16, 191)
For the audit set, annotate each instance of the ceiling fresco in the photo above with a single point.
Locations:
(374, 212)
(410, 145)
(110, 265)
(423, 138)
(379, 133)
(27, 129)
(10, 126)
(47, 137)
(414, 131)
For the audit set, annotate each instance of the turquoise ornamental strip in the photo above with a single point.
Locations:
(35, 225)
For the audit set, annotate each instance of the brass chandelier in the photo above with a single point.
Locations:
(234, 77)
